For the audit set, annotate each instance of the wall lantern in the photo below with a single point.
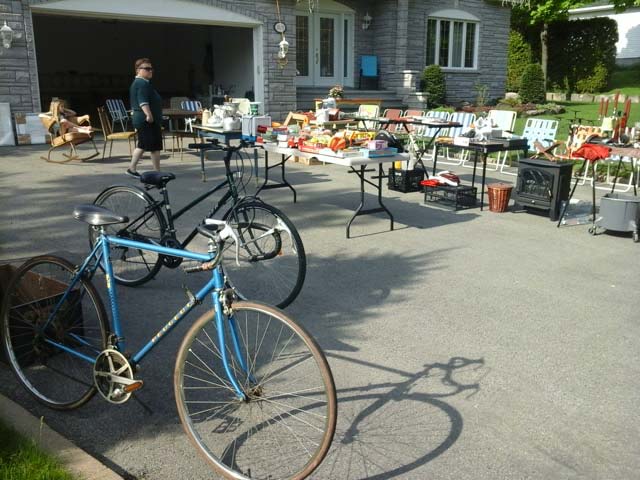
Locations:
(6, 35)
(366, 21)
(284, 48)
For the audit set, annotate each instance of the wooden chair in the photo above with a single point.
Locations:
(110, 135)
(60, 140)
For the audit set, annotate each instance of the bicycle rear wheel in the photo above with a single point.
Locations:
(285, 426)
(273, 263)
(51, 374)
(132, 266)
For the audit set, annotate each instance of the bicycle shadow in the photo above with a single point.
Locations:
(387, 430)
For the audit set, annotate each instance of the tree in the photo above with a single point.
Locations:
(543, 12)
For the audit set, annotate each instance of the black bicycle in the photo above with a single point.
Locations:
(269, 266)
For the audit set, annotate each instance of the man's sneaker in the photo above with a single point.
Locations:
(133, 174)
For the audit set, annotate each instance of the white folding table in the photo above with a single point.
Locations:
(358, 165)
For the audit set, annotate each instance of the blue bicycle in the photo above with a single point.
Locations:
(254, 391)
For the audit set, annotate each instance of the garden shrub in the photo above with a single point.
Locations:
(532, 84)
(520, 55)
(597, 82)
(576, 49)
(433, 83)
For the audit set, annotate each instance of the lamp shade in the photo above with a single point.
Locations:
(6, 35)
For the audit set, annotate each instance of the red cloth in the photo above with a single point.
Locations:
(592, 152)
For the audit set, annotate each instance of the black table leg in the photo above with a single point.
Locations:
(204, 175)
(484, 174)
(365, 211)
(283, 183)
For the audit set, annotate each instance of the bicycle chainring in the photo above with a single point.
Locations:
(112, 372)
(167, 260)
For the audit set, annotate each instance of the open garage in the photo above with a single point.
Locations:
(86, 56)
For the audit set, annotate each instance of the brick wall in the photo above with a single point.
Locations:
(396, 36)
(492, 57)
(18, 73)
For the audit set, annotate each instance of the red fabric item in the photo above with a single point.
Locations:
(429, 183)
(592, 152)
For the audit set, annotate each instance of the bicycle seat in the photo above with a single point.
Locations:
(94, 215)
(156, 178)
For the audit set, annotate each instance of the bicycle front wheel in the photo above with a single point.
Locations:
(284, 426)
(39, 329)
(272, 261)
(132, 266)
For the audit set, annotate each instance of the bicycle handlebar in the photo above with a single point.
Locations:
(217, 231)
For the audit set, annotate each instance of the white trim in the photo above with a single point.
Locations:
(172, 11)
(258, 65)
(451, 21)
(453, 14)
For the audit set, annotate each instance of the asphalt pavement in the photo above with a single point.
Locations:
(466, 345)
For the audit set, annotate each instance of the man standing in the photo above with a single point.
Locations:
(146, 104)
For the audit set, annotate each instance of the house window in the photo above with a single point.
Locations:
(452, 43)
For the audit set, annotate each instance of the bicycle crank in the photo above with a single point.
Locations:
(113, 376)
(167, 260)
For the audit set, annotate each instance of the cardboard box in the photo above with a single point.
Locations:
(38, 294)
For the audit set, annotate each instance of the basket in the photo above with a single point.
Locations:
(499, 194)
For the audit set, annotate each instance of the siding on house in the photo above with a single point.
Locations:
(397, 36)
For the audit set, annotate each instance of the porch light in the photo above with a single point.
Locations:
(6, 35)
(284, 48)
(366, 21)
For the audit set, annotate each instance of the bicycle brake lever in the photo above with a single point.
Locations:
(225, 233)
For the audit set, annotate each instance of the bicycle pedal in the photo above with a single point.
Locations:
(132, 387)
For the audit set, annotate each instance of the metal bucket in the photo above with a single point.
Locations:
(619, 212)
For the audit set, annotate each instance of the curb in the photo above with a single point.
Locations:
(78, 462)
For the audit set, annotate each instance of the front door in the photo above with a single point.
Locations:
(324, 54)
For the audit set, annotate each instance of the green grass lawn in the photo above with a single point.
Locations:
(586, 112)
(626, 80)
(21, 459)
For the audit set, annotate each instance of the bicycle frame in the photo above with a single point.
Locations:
(100, 254)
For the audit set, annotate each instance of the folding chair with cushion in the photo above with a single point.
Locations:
(118, 113)
(392, 114)
(368, 70)
(369, 111)
(540, 134)
(110, 135)
(59, 140)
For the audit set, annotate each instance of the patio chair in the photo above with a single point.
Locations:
(59, 140)
(191, 105)
(110, 135)
(540, 133)
(504, 120)
(371, 111)
(368, 70)
(412, 113)
(466, 119)
(118, 113)
(392, 114)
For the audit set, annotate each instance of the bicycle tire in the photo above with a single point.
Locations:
(132, 267)
(237, 439)
(53, 376)
(273, 267)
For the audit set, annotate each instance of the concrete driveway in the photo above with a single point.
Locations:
(468, 345)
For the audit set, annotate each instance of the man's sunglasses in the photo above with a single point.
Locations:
(148, 69)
